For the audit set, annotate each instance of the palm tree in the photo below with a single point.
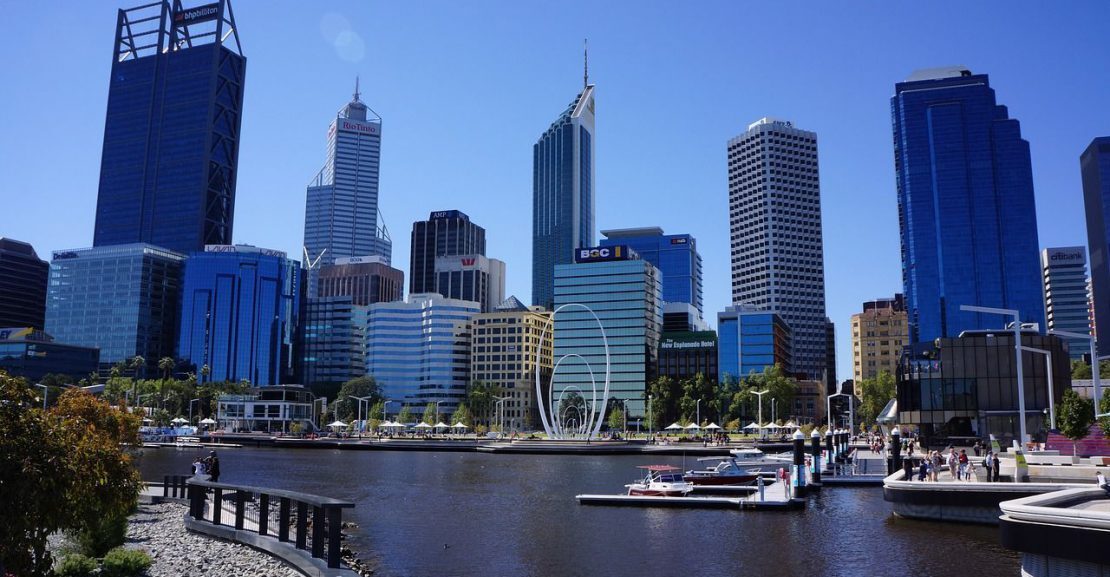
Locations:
(137, 362)
(204, 372)
(167, 365)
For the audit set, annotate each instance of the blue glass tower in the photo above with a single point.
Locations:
(675, 255)
(965, 205)
(171, 134)
(240, 308)
(1094, 165)
(562, 193)
(749, 340)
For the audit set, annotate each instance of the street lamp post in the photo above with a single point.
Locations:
(191, 401)
(760, 394)
(1051, 392)
(1095, 360)
(828, 405)
(500, 404)
(1017, 358)
(437, 410)
(698, 421)
(45, 390)
(361, 400)
(651, 419)
(773, 419)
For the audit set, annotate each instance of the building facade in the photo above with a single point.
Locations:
(171, 133)
(625, 294)
(1064, 274)
(341, 209)
(967, 386)
(334, 340)
(1094, 166)
(685, 355)
(967, 218)
(268, 409)
(505, 350)
(240, 315)
(367, 280)
(32, 354)
(809, 403)
(775, 230)
(123, 299)
(445, 233)
(878, 335)
(23, 278)
(675, 255)
(751, 340)
(419, 351)
(563, 195)
(471, 277)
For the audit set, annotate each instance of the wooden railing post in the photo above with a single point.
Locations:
(318, 532)
(263, 513)
(283, 519)
(335, 524)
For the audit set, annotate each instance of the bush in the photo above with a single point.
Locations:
(120, 562)
(76, 565)
(107, 533)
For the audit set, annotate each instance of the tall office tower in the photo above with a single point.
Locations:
(419, 351)
(471, 277)
(675, 255)
(240, 314)
(625, 294)
(504, 352)
(23, 278)
(334, 341)
(341, 217)
(1064, 272)
(830, 355)
(562, 193)
(751, 339)
(123, 299)
(878, 335)
(965, 205)
(171, 135)
(1094, 165)
(445, 233)
(1091, 309)
(775, 227)
(367, 280)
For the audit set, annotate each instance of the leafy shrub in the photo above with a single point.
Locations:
(106, 534)
(76, 565)
(120, 562)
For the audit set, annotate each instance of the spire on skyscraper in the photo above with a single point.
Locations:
(585, 62)
(357, 93)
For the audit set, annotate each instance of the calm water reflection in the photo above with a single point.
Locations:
(474, 514)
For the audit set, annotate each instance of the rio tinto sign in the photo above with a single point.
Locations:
(359, 127)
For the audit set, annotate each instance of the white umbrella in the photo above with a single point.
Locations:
(423, 426)
(338, 423)
(145, 420)
(442, 425)
(207, 422)
(179, 421)
(790, 425)
(771, 426)
(673, 427)
(752, 426)
(692, 426)
(712, 426)
(460, 426)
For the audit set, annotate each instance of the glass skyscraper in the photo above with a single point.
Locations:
(1094, 165)
(1064, 271)
(341, 217)
(123, 299)
(334, 340)
(445, 233)
(171, 135)
(750, 340)
(562, 193)
(23, 277)
(965, 205)
(626, 295)
(240, 309)
(675, 255)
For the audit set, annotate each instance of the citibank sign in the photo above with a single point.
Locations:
(355, 126)
(1067, 256)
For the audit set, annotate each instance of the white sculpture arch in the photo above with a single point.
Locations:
(552, 425)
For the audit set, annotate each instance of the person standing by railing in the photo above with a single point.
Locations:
(213, 467)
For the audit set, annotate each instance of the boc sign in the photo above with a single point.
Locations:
(601, 253)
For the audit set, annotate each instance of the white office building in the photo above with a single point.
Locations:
(471, 277)
(1064, 272)
(775, 233)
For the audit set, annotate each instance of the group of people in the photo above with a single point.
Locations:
(209, 465)
(960, 466)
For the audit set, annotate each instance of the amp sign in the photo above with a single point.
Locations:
(602, 253)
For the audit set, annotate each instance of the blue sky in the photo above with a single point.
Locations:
(465, 88)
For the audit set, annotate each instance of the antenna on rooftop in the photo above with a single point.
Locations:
(585, 62)
(357, 93)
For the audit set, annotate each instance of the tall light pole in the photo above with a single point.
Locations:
(651, 419)
(698, 421)
(828, 405)
(45, 390)
(1095, 360)
(1017, 358)
(773, 419)
(1051, 392)
(361, 400)
(760, 394)
(191, 401)
(437, 410)
(501, 414)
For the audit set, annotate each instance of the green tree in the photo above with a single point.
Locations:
(462, 415)
(1081, 370)
(429, 414)
(616, 419)
(166, 365)
(1104, 407)
(664, 392)
(480, 397)
(875, 393)
(780, 387)
(405, 416)
(1074, 416)
(377, 414)
(347, 408)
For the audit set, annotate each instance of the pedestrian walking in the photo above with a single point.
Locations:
(995, 466)
(963, 464)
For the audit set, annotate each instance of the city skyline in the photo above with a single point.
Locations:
(675, 182)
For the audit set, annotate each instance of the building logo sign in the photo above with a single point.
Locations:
(360, 127)
(689, 341)
(198, 14)
(1066, 256)
(358, 260)
(468, 261)
(682, 240)
(601, 254)
(243, 249)
(445, 214)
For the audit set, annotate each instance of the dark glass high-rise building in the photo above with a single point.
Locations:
(675, 255)
(445, 233)
(562, 193)
(171, 133)
(367, 280)
(965, 205)
(1094, 165)
(22, 285)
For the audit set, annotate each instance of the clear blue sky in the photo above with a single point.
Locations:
(465, 88)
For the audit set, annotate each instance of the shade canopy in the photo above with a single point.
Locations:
(179, 421)
(442, 425)
(752, 426)
(692, 426)
(712, 426)
(771, 426)
(673, 427)
(423, 426)
(207, 422)
(790, 425)
(337, 424)
(460, 426)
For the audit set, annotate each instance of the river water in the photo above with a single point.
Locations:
(483, 515)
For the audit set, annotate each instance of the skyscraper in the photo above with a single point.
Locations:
(23, 278)
(1064, 272)
(775, 228)
(965, 205)
(334, 341)
(341, 217)
(675, 255)
(365, 279)
(1094, 165)
(751, 340)
(562, 193)
(171, 134)
(878, 335)
(472, 278)
(445, 233)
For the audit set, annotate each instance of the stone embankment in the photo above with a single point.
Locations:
(176, 552)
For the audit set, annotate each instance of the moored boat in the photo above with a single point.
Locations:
(726, 472)
(660, 481)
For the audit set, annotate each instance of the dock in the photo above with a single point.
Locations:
(775, 498)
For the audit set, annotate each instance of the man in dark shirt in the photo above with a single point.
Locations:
(213, 467)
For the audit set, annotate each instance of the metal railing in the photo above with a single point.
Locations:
(307, 522)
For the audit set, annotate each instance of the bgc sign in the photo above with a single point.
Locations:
(602, 253)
